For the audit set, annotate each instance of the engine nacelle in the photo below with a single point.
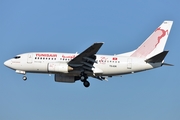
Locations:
(59, 67)
(64, 78)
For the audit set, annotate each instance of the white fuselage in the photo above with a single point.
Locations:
(70, 67)
(106, 65)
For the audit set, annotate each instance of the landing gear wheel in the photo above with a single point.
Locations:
(86, 83)
(83, 76)
(24, 78)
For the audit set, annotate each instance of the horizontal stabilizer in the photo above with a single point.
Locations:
(157, 58)
(167, 64)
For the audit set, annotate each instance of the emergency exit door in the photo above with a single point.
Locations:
(129, 63)
(29, 58)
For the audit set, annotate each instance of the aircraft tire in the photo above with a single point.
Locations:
(24, 78)
(83, 77)
(86, 83)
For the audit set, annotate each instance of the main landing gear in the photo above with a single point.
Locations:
(83, 78)
(86, 83)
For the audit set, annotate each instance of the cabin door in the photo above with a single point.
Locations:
(129, 63)
(29, 58)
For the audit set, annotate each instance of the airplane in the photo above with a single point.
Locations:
(71, 67)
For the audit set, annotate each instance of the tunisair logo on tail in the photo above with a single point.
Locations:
(162, 35)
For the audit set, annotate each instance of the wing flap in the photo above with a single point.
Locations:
(87, 58)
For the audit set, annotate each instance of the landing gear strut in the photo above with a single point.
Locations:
(24, 78)
(84, 78)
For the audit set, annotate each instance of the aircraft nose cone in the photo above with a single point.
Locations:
(7, 63)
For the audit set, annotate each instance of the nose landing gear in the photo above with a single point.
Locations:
(24, 78)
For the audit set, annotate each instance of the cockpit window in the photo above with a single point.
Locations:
(17, 57)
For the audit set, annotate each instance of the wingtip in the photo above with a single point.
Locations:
(99, 43)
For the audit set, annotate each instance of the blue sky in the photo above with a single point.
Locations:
(72, 26)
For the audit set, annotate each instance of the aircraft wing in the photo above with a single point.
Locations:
(87, 58)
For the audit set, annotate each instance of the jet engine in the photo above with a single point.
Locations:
(64, 78)
(59, 67)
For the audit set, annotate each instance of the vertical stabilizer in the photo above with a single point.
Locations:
(155, 43)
